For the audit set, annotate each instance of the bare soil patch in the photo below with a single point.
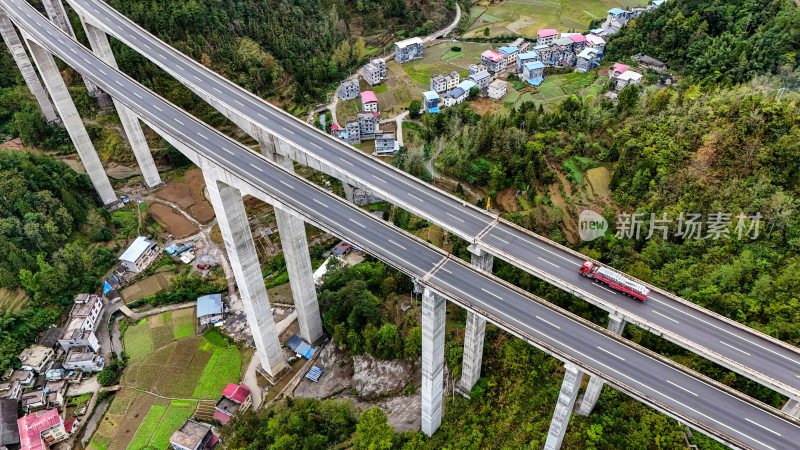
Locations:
(148, 286)
(483, 106)
(188, 194)
(507, 200)
(178, 225)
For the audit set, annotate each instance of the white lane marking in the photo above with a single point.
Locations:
(228, 150)
(682, 388)
(177, 120)
(455, 217)
(137, 95)
(256, 167)
(548, 262)
(612, 369)
(286, 184)
(287, 130)
(762, 426)
(664, 316)
(238, 102)
(492, 294)
(315, 145)
(726, 331)
(395, 243)
(606, 289)
(610, 353)
(162, 55)
(262, 116)
(735, 348)
(415, 197)
(216, 89)
(524, 237)
(442, 268)
(73, 50)
(358, 223)
(346, 161)
(320, 203)
(147, 47)
(119, 83)
(201, 135)
(379, 179)
(157, 108)
(501, 240)
(548, 322)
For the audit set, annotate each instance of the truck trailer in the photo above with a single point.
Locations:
(614, 280)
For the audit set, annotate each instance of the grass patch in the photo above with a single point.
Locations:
(176, 415)
(379, 89)
(99, 442)
(137, 340)
(148, 426)
(575, 166)
(184, 330)
(224, 367)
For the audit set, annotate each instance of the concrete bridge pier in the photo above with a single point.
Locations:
(433, 315)
(474, 332)
(616, 325)
(566, 402)
(235, 228)
(130, 122)
(72, 121)
(294, 243)
(58, 15)
(17, 50)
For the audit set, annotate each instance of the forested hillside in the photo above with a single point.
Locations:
(48, 223)
(715, 41)
(290, 49)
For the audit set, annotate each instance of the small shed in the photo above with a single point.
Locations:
(301, 347)
(314, 373)
(209, 309)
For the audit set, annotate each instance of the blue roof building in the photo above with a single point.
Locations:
(616, 11)
(430, 101)
(508, 50)
(209, 309)
(466, 85)
(301, 347)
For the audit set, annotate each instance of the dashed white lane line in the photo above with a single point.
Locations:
(548, 262)
(395, 243)
(315, 145)
(664, 316)
(455, 217)
(201, 135)
(238, 102)
(256, 167)
(358, 223)
(549, 323)
(682, 388)
(735, 348)
(415, 197)
(379, 179)
(216, 89)
(177, 120)
(606, 289)
(346, 161)
(157, 108)
(608, 352)
(492, 294)
(138, 96)
(286, 184)
(762, 426)
(320, 203)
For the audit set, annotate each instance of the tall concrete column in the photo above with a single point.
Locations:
(566, 402)
(57, 13)
(17, 50)
(130, 122)
(294, 243)
(615, 325)
(235, 229)
(72, 121)
(349, 192)
(433, 314)
(792, 408)
(474, 331)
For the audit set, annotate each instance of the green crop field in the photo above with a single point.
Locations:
(170, 361)
(525, 17)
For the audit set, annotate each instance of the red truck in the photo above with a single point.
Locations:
(614, 280)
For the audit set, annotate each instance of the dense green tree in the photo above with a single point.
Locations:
(373, 432)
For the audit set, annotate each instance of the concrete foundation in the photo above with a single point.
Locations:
(615, 325)
(566, 402)
(57, 14)
(792, 408)
(133, 129)
(294, 243)
(72, 121)
(235, 229)
(433, 315)
(17, 50)
(474, 332)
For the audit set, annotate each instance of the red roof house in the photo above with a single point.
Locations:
(546, 32)
(235, 398)
(37, 431)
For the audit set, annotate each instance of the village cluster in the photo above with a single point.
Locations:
(525, 60)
